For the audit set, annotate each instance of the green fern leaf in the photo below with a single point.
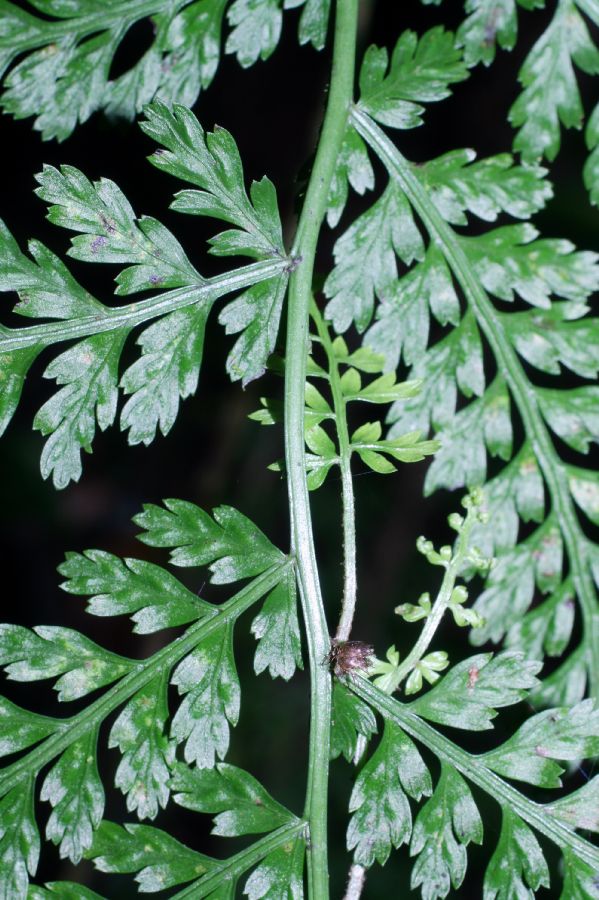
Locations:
(511, 584)
(144, 772)
(472, 691)
(280, 875)
(21, 728)
(110, 232)
(365, 261)
(572, 414)
(242, 805)
(256, 30)
(373, 451)
(454, 362)
(74, 789)
(420, 70)
(567, 685)
(233, 546)
(530, 754)
(50, 650)
(505, 262)
(512, 259)
(517, 492)
(89, 373)
(257, 314)
(199, 662)
(171, 348)
(547, 628)
(591, 166)
(443, 828)
(457, 184)
(168, 370)
(67, 54)
(485, 424)
(158, 860)
(552, 338)
(313, 21)
(350, 720)
(579, 809)
(487, 24)
(353, 168)
(584, 488)
(517, 867)
(551, 95)
(153, 597)
(19, 840)
(208, 680)
(382, 818)
(212, 163)
(580, 879)
(276, 628)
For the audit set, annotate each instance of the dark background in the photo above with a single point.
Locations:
(214, 454)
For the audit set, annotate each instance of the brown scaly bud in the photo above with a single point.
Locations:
(346, 657)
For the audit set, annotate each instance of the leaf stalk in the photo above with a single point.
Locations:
(132, 314)
(302, 540)
(348, 603)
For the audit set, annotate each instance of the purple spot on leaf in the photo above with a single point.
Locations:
(98, 242)
(108, 225)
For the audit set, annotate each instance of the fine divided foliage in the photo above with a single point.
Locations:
(565, 50)
(450, 819)
(148, 730)
(108, 231)
(468, 697)
(443, 329)
(524, 299)
(57, 56)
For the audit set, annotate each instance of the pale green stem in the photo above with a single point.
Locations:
(300, 294)
(231, 869)
(70, 730)
(474, 769)
(441, 603)
(348, 603)
(128, 316)
(509, 364)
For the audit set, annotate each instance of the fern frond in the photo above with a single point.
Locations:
(64, 57)
(160, 861)
(556, 734)
(171, 346)
(146, 732)
(542, 269)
